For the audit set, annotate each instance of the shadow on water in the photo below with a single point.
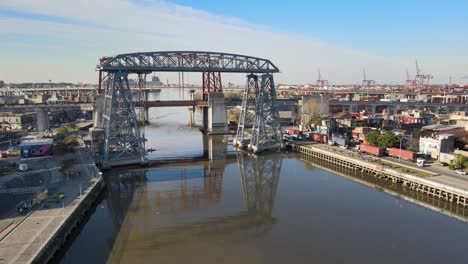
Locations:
(133, 195)
(397, 190)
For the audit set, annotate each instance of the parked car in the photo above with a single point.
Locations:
(460, 172)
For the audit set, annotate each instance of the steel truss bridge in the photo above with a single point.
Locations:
(124, 140)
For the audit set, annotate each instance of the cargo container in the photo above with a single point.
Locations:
(292, 131)
(317, 137)
(405, 154)
(376, 151)
(324, 139)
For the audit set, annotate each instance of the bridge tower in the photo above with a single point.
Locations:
(124, 143)
(266, 132)
(247, 115)
(259, 109)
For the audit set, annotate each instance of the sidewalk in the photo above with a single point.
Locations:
(439, 175)
(29, 236)
(23, 235)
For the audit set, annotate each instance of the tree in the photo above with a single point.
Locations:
(372, 138)
(67, 166)
(71, 127)
(61, 130)
(313, 114)
(389, 140)
(459, 162)
(233, 116)
(386, 140)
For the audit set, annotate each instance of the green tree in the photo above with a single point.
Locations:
(388, 140)
(233, 116)
(61, 130)
(373, 138)
(459, 161)
(71, 127)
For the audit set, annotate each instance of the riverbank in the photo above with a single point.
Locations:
(36, 236)
(444, 187)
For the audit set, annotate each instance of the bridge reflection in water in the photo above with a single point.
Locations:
(160, 212)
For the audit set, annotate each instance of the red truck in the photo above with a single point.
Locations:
(376, 151)
(405, 154)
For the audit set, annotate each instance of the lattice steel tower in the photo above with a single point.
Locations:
(247, 115)
(266, 132)
(259, 111)
(124, 142)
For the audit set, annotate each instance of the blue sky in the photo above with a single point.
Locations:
(362, 24)
(64, 38)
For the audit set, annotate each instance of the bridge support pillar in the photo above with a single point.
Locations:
(124, 140)
(205, 118)
(247, 115)
(192, 117)
(42, 116)
(217, 122)
(145, 115)
(293, 114)
(97, 114)
(266, 132)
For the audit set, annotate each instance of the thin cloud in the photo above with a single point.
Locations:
(87, 29)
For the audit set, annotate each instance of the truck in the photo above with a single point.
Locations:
(339, 140)
(376, 151)
(404, 154)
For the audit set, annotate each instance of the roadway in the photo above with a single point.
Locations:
(89, 106)
(439, 174)
(412, 104)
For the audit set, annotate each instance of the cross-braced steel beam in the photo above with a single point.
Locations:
(266, 132)
(124, 141)
(142, 98)
(247, 115)
(186, 61)
(211, 83)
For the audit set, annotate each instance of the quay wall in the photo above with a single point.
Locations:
(426, 186)
(73, 220)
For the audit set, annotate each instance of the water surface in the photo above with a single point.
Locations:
(273, 208)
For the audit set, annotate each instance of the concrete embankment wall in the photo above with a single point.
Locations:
(73, 220)
(426, 186)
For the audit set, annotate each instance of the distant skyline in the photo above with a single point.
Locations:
(61, 40)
